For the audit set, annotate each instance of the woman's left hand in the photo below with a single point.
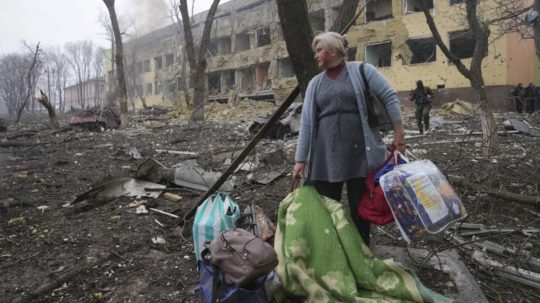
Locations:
(399, 138)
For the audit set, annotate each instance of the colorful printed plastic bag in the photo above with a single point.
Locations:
(421, 199)
(218, 212)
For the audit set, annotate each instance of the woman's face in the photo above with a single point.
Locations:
(322, 56)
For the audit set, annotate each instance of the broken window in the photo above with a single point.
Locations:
(227, 80)
(139, 67)
(247, 79)
(157, 87)
(351, 53)
(413, 6)
(379, 54)
(454, 2)
(146, 65)
(263, 36)
(169, 59)
(214, 87)
(316, 19)
(462, 44)
(242, 42)
(285, 68)
(379, 10)
(261, 76)
(148, 89)
(220, 46)
(423, 50)
(158, 62)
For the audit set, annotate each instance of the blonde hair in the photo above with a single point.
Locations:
(332, 42)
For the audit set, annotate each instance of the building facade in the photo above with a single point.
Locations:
(248, 57)
(85, 95)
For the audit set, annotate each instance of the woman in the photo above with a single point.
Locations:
(335, 141)
(422, 96)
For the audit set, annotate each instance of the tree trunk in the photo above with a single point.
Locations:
(345, 15)
(474, 73)
(119, 58)
(294, 15)
(481, 34)
(29, 82)
(44, 100)
(198, 67)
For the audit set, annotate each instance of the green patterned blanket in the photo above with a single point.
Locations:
(323, 258)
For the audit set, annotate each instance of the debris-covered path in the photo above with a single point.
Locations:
(104, 251)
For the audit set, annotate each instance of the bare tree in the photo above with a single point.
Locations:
(133, 75)
(197, 64)
(80, 56)
(31, 79)
(56, 72)
(98, 68)
(174, 13)
(119, 59)
(480, 32)
(13, 80)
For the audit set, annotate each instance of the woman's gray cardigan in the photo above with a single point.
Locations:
(375, 149)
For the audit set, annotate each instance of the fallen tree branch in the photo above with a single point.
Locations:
(19, 144)
(510, 272)
(529, 200)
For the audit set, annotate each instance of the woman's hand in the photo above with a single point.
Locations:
(298, 170)
(399, 138)
(297, 174)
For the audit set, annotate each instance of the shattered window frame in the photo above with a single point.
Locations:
(241, 39)
(317, 20)
(414, 4)
(370, 15)
(420, 46)
(378, 48)
(463, 39)
(158, 62)
(263, 36)
(285, 68)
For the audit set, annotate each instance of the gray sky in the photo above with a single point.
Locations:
(55, 22)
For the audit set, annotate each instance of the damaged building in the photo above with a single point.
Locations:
(247, 56)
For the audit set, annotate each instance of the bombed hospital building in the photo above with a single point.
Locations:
(247, 56)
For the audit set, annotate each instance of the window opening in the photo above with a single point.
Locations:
(351, 53)
(423, 50)
(285, 68)
(242, 42)
(169, 59)
(379, 55)
(316, 19)
(413, 6)
(462, 44)
(146, 66)
(263, 36)
(379, 10)
(158, 62)
(261, 76)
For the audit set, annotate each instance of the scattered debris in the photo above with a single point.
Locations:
(3, 125)
(514, 124)
(172, 197)
(134, 153)
(288, 124)
(158, 240)
(458, 107)
(120, 187)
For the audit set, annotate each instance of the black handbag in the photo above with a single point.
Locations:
(377, 115)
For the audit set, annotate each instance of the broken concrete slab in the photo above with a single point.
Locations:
(447, 261)
(189, 175)
(514, 124)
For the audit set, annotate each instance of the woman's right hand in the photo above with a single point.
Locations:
(297, 174)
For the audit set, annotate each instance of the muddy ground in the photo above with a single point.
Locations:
(104, 251)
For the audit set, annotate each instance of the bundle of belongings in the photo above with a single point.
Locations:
(235, 262)
(322, 257)
(416, 195)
